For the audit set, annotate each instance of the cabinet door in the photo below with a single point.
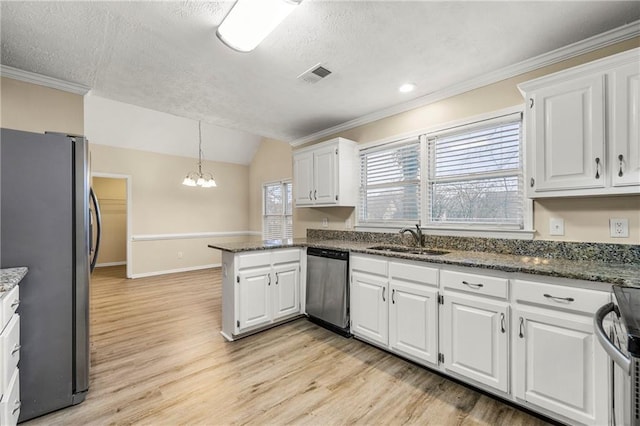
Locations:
(303, 178)
(559, 365)
(286, 290)
(369, 309)
(625, 126)
(325, 175)
(569, 135)
(253, 298)
(474, 340)
(413, 321)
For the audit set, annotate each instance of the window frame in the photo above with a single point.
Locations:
(283, 215)
(457, 228)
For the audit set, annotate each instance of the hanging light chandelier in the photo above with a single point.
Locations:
(198, 178)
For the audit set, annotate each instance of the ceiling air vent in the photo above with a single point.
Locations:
(314, 74)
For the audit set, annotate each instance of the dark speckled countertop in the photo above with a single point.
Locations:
(623, 273)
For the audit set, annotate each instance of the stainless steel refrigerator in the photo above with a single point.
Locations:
(45, 225)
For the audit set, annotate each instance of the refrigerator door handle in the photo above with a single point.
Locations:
(94, 250)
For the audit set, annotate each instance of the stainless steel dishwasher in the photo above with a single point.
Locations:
(327, 301)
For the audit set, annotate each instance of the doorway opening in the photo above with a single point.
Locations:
(114, 197)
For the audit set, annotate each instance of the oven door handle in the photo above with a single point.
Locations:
(614, 353)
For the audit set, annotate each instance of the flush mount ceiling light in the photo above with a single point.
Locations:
(198, 178)
(250, 21)
(407, 87)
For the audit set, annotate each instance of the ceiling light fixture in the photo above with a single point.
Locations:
(407, 87)
(198, 178)
(250, 21)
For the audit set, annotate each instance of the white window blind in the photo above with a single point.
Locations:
(475, 176)
(390, 183)
(277, 208)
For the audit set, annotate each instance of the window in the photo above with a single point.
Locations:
(277, 213)
(390, 183)
(465, 177)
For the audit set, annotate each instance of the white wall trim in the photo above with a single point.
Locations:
(590, 44)
(191, 235)
(174, 271)
(43, 80)
(103, 265)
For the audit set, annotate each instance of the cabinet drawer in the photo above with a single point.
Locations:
(369, 265)
(10, 403)
(8, 306)
(559, 296)
(413, 272)
(474, 283)
(252, 260)
(286, 256)
(10, 349)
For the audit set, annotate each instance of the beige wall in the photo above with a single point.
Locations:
(162, 205)
(112, 197)
(585, 219)
(272, 162)
(33, 108)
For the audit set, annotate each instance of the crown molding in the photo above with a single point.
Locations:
(43, 80)
(587, 45)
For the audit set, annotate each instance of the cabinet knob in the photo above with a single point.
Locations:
(620, 158)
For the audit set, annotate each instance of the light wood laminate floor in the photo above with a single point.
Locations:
(157, 358)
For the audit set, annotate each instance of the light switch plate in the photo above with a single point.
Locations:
(619, 227)
(325, 222)
(556, 226)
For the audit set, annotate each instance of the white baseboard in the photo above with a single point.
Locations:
(102, 265)
(173, 271)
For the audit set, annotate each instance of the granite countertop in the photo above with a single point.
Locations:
(605, 272)
(10, 277)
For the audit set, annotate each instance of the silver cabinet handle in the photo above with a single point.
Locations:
(597, 167)
(17, 405)
(277, 277)
(310, 197)
(521, 334)
(384, 289)
(531, 102)
(533, 182)
(502, 329)
(620, 158)
(15, 349)
(472, 285)
(559, 299)
(315, 192)
(269, 275)
(15, 303)
(393, 296)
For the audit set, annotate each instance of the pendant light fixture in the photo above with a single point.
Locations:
(198, 178)
(250, 21)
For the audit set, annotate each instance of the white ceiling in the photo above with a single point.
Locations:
(165, 55)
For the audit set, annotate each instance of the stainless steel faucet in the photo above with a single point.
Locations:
(417, 234)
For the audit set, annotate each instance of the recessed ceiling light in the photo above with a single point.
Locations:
(407, 87)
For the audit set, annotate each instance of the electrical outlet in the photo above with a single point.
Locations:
(325, 222)
(179, 255)
(556, 226)
(619, 228)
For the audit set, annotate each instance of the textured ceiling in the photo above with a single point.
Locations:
(165, 55)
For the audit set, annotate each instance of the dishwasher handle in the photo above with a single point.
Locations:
(614, 353)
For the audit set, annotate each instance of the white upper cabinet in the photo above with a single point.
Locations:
(578, 123)
(625, 129)
(326, 174)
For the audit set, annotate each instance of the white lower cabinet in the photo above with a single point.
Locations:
(260, 288)
(473, 327)
(558, 363)
(369, 309)
(9, 357)
(395, 305)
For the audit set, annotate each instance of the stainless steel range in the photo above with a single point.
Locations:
(617, 327)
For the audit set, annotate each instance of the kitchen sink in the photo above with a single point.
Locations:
(409, 250)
